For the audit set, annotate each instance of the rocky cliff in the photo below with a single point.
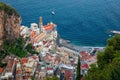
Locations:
(9, 23)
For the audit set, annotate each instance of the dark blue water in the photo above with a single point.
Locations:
(83, 22)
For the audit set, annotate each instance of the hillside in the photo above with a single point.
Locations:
(9, 23)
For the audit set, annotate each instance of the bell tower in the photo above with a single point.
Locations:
(41, 24)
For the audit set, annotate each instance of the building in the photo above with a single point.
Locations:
(9, 71)
(19, 75)
(50, 71)
(1, 70)
(29, 66)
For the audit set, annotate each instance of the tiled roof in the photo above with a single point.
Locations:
(83, 53)
(85, 56)
(24, 60)
(49, 68)
(1, 69)
(49, 27)
(33, 33)
(49, 57)
(10, 63)
(15, 62)
(68, 74)
(39, 37)
(84, 66)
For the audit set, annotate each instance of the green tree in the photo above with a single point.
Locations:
(30, 49)
(115, 42)
(108, 62)
(33, 78)
(105, 57)
(15, 48)
(78, 73)
(94, 73)
(109, 54)
(115, 69)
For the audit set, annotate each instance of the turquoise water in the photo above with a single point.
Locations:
(83, 22)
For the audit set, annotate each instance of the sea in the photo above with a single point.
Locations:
(82, 22)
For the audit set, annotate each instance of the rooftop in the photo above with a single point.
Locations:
(1, 70)
(39, 37)
(33, 33)
(49, 68)
(24, 60)
(49, 27)
(68, 74)
(84, 66)
(10, 63)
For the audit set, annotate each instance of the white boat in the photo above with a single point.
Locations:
(53, 13)
(115, 32)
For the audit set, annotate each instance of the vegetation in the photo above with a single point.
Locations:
(30, 49)
(2, 55)
(78, 73)
(2, 64)
(52, 78)
(33, 78)
(16, 48)
(8, 9)
(108, 67)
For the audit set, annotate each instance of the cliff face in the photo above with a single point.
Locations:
(9, 23)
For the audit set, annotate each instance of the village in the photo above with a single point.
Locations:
(56, 57)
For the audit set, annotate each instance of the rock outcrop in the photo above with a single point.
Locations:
(9, 23)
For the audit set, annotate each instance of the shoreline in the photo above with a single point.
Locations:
(70, 42)
(67, 44)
